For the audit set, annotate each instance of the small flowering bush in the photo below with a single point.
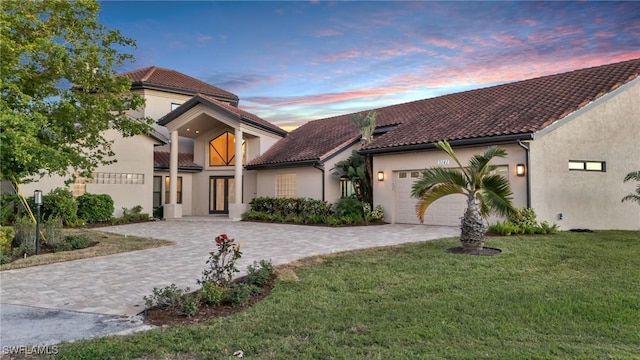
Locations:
(376, 215)
(222, 262)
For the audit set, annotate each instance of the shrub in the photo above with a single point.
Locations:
(24, 236)
(6, 237)
(10, 208)
(132, 215)
(503, 228)
(213, 294)
(241, 293)
(59, 203)
(77, 242)
(524, 217)
(158, 212)
(258, 274)
(178, 300)
(94, 208)
(222, 262)
(52, 230)
(545, 228)
(290, 207)
(376, 215)
(349, 207)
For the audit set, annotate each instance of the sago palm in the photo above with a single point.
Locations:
(634, 175)
(487, 193)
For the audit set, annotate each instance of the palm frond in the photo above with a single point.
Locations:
(434, 193)
(479, 163)
(446, 147)
(632, 198)
(495, 194)
(634, 175)
(433, 176)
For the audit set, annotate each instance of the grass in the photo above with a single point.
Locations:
(108, 244)
(564, 296)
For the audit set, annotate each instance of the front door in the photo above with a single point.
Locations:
(221, 193)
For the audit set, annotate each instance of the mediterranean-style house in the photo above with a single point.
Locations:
(571, 139)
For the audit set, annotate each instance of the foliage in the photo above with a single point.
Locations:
(158, 212)
(302, 207)
(486, 192)
(178, 300)
(376, 215)
(242, 292)
(94, 208)
(10, 208)
(24, 236)
(59, 89)
(59, 203)
(349, 207)
(354, 168)
(366, 124)
(76, 242)
(635, 176)
(222, 262)
(132, 215)
(213, 294)
(6, 237)
(52, 230)
(259, 272)
(523, 221)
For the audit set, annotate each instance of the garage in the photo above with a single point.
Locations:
(446, 211)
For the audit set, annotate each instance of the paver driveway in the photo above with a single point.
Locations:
(115, 284)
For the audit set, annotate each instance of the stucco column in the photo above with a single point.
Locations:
(173, 210)
(173, 169)
(238, 166)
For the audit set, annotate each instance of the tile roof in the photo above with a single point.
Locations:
(161, 161)
(241, 115)
(518, 108)
(167, 79)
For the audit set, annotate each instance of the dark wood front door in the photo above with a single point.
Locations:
(221, 193)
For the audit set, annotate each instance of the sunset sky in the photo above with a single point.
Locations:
(290, 62)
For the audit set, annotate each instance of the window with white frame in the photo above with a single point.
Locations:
(587, 165)
(286, 186)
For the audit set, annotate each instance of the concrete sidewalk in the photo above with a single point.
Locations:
(115, 284)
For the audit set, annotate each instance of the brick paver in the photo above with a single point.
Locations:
(115, 284)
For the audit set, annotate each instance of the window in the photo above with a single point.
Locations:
(174, 106)
(286, 186)
(222, 150)
(117, 178)
(402, 175)
(582, 165)
(167, 183)
(346, 188)
(157, 191)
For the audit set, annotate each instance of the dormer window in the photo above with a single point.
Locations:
(222, 150)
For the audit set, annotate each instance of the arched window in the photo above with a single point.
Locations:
(222, 150)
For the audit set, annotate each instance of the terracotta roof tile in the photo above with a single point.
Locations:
(161, 160)
(170, 79)
(521, 107)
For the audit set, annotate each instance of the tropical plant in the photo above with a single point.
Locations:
(635, 176)
(366, 124)
(486, 192)
(354, 169)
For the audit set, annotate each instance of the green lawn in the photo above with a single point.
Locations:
(564, 296)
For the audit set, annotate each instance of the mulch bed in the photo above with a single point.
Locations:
(166, 317)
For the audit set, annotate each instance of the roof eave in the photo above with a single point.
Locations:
(486, 140)
(143, 85)
(288, 164)
(183, 169)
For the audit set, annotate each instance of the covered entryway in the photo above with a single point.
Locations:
(446, 211)
(221, 194)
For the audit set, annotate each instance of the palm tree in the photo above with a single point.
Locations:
(486, 192)
(634, 175)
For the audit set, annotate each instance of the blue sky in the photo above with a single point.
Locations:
(291, 62)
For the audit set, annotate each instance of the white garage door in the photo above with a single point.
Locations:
(445, 211)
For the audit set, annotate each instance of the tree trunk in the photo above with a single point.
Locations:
(474, 228)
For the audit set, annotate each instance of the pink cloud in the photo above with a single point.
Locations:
(508, 39)
(344, 55)
(529, 22)
(441, 42)
(604, 34)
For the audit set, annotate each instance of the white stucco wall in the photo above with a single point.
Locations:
(384, 191)
(135, 156)
(607, 130)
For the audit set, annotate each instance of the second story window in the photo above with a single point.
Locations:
(222, 150)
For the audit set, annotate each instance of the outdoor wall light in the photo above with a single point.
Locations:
(380, 175)
(520, 169)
